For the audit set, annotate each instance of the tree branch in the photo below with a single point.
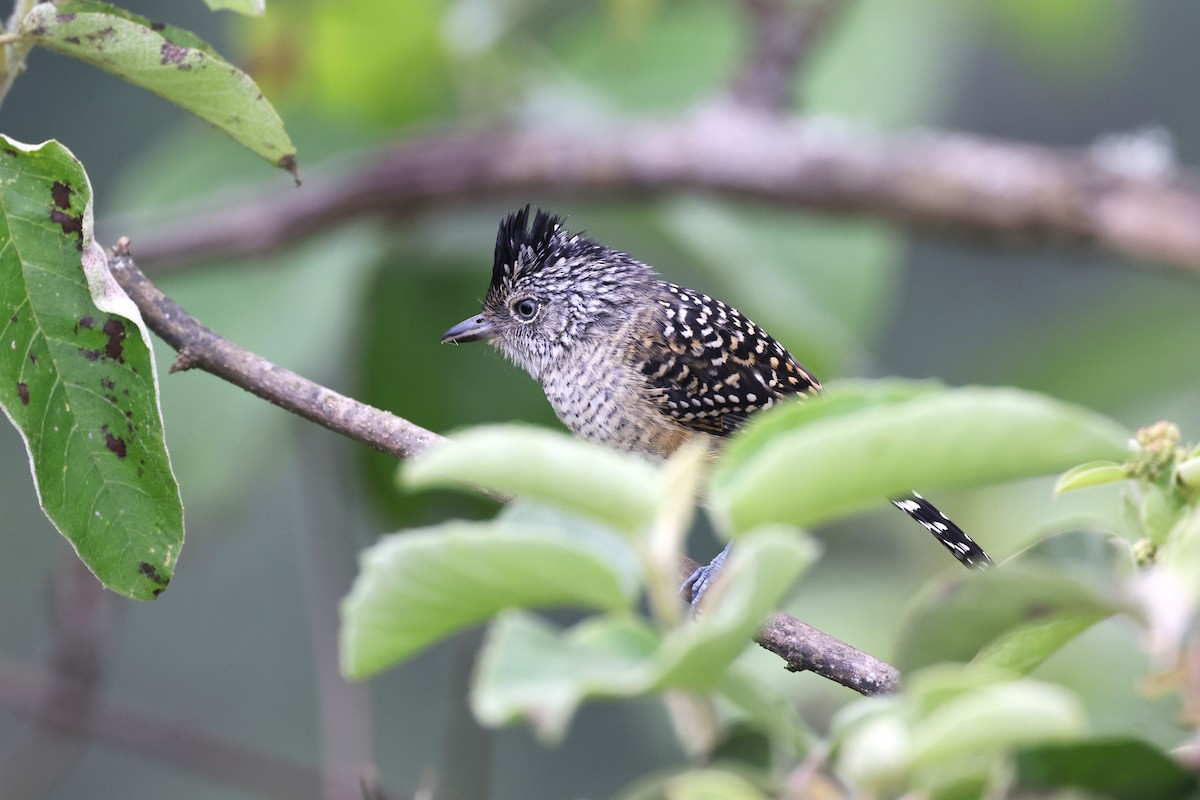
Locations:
(200, 348)
(807, 649)
(948, 181)
(803, 648)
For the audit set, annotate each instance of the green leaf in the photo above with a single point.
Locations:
(994, 718)
(761, 569)
(77, 377)
(758, 708)
(1117, 768)
(544, 465)
(168, 61)
(808, 461)
(950, 728)
(1161, 511)
(699, 784)
(1013, 617)
(251, 8)
(418, 587)
(1189, 472)
(1093, 473)
(531, 670)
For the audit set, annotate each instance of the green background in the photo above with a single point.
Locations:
(242, 646)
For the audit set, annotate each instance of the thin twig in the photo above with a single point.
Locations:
(807, 649)
(947, 181)
(15, 47)
(803, 647)
(200, 348)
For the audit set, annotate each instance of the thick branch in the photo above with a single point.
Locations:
(953, 181)
(803, 648)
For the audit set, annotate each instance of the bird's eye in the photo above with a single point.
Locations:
(526, 308)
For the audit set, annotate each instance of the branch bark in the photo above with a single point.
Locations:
(803, 647)
(947, 181)
(807, 649)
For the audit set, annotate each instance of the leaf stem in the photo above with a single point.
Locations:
(14, 47)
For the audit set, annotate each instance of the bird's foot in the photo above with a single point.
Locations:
(699, 581)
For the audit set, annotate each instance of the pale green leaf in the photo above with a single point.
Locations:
(761, 569)
(1093, 473)
(951, 726)
(547, 466)
(251, 8)
(1161, 510)
(418, 587)
(993, 718)
(168, 61)
(1024, 648)
(77, 377)
(531, 670)
(1189, 472)
(757, 706)
(815, 459)
(876, 753)
(699, 784)
(1012, 617)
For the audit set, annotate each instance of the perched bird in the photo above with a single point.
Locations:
(637, 363)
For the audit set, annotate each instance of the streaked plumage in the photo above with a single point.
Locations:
(635, 362)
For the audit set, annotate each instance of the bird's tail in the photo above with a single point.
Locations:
(952, 537)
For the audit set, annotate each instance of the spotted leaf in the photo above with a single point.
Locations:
(77, 377)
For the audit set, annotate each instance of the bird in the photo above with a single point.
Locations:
(640, 364)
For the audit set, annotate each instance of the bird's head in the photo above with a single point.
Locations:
(552, 292)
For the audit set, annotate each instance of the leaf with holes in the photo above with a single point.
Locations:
(77, 377)
(171, 62)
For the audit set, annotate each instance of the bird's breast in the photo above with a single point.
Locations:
(601, 399)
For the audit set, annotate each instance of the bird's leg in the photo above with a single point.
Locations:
(700, 580)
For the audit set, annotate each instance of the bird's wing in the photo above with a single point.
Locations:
(709, 367)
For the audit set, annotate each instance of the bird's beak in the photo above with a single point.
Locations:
(469, 330)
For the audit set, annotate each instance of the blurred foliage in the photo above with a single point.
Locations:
(1077, 37)
(607, 525)
(362, 309)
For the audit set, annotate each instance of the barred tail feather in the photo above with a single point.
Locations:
(952, 537)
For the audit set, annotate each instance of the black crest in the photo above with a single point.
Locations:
(517, 241)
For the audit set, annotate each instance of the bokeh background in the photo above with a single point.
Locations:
(242, 648)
